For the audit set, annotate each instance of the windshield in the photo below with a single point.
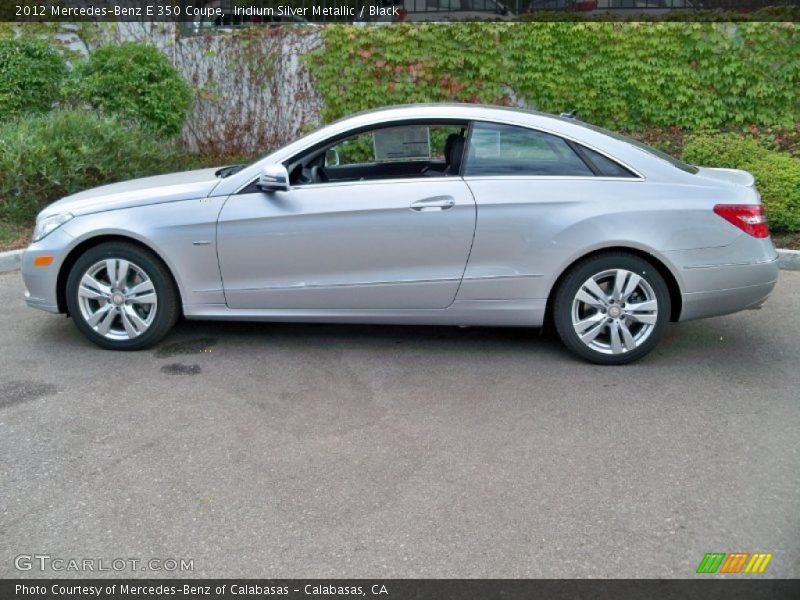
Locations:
(654, 151)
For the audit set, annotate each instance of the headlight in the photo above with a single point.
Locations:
(49, 224)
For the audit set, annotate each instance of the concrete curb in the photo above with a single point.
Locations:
(788, 260)
(10, 261)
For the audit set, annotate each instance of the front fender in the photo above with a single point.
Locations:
(182, 234)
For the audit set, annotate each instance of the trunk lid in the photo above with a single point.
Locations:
(736, 176)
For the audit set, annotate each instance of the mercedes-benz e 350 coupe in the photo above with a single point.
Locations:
(420, 214)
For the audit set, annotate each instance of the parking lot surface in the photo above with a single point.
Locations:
(282, 450)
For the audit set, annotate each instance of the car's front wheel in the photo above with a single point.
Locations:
(121, 296)
(612, 309)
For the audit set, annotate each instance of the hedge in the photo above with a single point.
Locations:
(46, 157)
(777, 174)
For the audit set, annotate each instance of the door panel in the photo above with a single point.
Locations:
(347, 246)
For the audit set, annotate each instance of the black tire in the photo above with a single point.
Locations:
(168, 304)
(595, 266)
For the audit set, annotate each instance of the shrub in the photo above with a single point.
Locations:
(133, 80)
(31, 73)
(777, 174)
(46, 157)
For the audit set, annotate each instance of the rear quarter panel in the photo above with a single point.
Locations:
(533, 228)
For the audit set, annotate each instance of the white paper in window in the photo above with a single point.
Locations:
(402, 143)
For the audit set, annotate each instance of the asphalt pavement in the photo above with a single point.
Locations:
(282, 450)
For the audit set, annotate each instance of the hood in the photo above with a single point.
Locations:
(138, 192)
(736, 176)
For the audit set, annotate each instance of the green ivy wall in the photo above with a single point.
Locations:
(626, 76)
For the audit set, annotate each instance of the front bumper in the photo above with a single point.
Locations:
(41, 283)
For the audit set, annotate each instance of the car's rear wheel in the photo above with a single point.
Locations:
(612, 309)
(121, 296)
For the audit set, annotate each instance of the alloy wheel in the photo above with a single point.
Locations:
(614, 311)
(117, 299)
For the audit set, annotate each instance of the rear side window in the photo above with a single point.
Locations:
(679, 164)
(508, 150)
(604, 166)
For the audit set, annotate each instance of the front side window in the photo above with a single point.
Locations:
(411, 143)
(389, 152)
(496, 149)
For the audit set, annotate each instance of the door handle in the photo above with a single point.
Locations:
(434, 203)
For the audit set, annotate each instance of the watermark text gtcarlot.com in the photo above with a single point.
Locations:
(46, 562)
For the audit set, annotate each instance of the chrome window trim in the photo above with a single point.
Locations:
(393, 181)
(550, 177)
(433, 180)
(280, 157)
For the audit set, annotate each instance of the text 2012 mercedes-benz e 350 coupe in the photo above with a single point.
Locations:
(420, 214)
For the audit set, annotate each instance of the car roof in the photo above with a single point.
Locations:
(568, 127)
(466, 110)
(475, 112)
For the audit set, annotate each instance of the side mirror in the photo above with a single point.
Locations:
(274, 178)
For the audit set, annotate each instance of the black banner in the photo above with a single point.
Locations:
(400, 589)
(210, 15)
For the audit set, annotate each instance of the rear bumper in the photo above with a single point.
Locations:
(721, 280)
(738, 287)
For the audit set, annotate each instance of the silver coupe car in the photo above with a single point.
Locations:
(422, 214)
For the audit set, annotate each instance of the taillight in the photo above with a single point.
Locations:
(586, 5)
(750, 218)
